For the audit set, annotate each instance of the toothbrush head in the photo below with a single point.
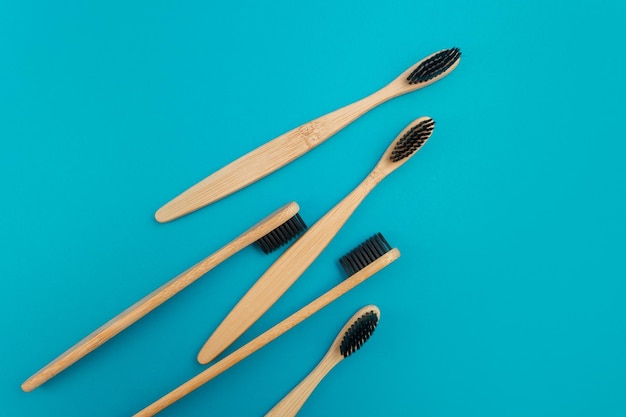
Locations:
(434, 65)
(359, 332)
(282, 234)
(364, 254)
(413, 139)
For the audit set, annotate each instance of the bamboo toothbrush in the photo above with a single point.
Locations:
(293, 262)
(295, 143)
(269, 234)
(350, 339)
(360, 264)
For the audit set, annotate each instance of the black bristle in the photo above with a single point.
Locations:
(412, 140)
(434, 66)
(358, 333)
(282, 234)
(364, 254)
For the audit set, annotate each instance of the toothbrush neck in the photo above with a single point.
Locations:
(374, 178)
(333, 122)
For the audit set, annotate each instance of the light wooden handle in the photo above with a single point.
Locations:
(124, 320)
(270, 335)
(282, 274)
(293, 402)
(289, 146)
(159, 296)
(268, 158)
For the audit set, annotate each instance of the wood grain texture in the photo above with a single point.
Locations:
(270, 335)
(158, 297)
(292, 264)
(285, 148)
(293, 402)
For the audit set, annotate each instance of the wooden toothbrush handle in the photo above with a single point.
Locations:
(293, 402)
(282, 274)
(160, 295)
(127, 317)
(268, 158)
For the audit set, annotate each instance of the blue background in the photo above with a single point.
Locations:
(508, 299)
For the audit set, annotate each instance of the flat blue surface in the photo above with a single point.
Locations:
(508, 299)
